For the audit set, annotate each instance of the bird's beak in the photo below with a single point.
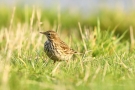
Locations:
(43, 32)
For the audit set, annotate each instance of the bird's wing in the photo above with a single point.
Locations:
(66, 48)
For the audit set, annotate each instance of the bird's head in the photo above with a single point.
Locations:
(51, 35)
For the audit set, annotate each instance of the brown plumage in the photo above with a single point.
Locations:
(55, 48)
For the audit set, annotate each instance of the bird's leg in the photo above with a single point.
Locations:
(54, 62)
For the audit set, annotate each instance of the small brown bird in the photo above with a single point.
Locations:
(55, 48)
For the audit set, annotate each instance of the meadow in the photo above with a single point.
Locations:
(105, 39)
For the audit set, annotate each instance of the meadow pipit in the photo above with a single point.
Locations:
(55, 48)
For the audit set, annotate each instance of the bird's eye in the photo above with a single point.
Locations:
(49, 34)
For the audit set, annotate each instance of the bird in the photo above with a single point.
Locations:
(55, 48)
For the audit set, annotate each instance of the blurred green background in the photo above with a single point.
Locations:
(113, 15)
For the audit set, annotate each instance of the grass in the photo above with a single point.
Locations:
(107, 61)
